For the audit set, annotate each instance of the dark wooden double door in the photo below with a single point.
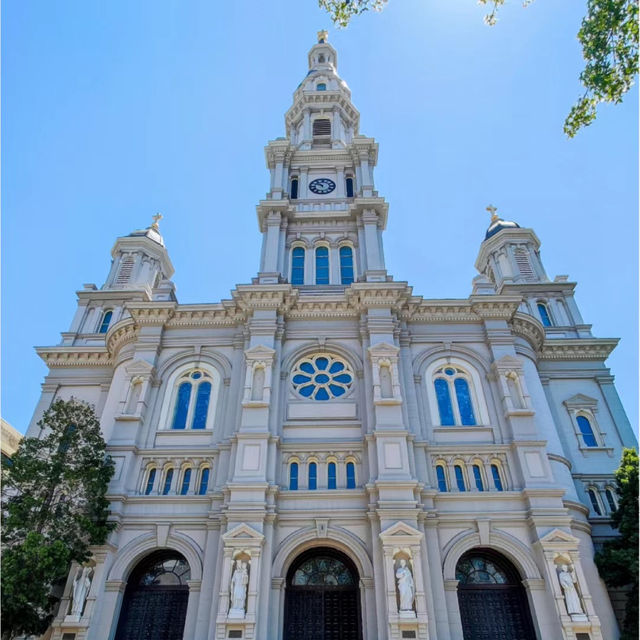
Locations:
(322, 598)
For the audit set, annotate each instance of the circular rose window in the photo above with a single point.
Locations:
(322, 377)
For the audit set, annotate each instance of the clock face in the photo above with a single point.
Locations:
(322, 186)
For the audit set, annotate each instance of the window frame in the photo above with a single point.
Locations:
(294, 479)
(444, 479)
(150, 477)
(332, 481)
(545, 305)
(295, 248)
(204, 478)
(313, 463)
(352, 464)
(596, 505)
(102, 328)
(316, 248)
(353, 264)
(185, 477)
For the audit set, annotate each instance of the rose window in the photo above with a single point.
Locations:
(322, 377)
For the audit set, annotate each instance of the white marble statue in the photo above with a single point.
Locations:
(238, 589)
(572, 599)
(406, 588)
(81, 585)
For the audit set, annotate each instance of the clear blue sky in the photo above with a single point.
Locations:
(115, 110)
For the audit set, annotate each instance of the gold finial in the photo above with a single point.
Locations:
(156, 219)
(323, 36)
(492, 210)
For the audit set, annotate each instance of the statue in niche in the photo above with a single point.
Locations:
(406, 587)
(568, 583)
(238, 589)
(81, 585)
(386, 387)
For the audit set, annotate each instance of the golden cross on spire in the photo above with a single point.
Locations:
(156, 219)
(323, 36)
(492, 210)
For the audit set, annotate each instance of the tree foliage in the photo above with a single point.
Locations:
(54, 508)
(609, 39)
(618, 560)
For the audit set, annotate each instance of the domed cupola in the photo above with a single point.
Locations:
(498, 224)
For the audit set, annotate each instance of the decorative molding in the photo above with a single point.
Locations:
(75, 356)
(578, 349)
(529, 328)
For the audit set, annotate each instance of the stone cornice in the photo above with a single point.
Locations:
(495, 307)
(75, 356)
(529, 328)
(224, 314)
(578, 349)
(152, 313)
(121, 333)
(251, 297)
(365, 295)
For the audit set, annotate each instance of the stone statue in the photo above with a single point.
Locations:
(572, 599)
(81, 585)
(406, 588)
(238, 589)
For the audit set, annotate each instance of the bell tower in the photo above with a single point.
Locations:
(322, 219)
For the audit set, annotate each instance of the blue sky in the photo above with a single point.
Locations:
(114, 110)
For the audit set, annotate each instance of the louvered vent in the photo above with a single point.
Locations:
(126, 267)
(321, 127)
(522, 260)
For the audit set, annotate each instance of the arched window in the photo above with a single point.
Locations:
(453, 394)
(595, 503)
(613, 506)
(477, 476)
(332, 482)
(459, 478)
(204, 481)
(293, 476)
(151, 479)
(349, 186)
(586, 431)
(321, 86)
(322, 265)
(497, 480)
(441, 476)
(186, 481)
(346, 265)
(293, 193)
(545, 316)
(313, 476)
(192, 400)
(106, 320)
(351, 475)
(297, 266)
(168, 479)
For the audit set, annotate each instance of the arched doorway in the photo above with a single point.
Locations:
(493, 602)
(322, 598)
(155, 600)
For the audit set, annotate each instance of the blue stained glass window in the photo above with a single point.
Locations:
(610, 499)
(182, 406)
(313, 476)
(331, 476)
(321, 378)
(297, 266)
(336, 390)
(464, 401)
(306, 391)
(346, 265)
(186, 481)
(444, 402)
(204, 481)
(460, 478)
(294, 188)
(151, 478)
(349, 185)
(442, 478)
(351, 475)
(322, 265)
(544, 314)
(293, 476)
(307, 367)
(321, 394)
(106, 319)
(497, 480)
(321, 86)
(168, 477)
(477, 476)
(594, 502)
(202, 406)
(300, 379)
(587, 432)
(321, 363)
(196, 375)
(336, 367)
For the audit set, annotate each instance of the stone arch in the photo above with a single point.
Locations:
(135, 550)
(425, 358)
(335, 537)
(205, 357)
(311, 348)
(503, 543)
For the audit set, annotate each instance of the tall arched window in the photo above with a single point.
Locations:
(460, 478)
(351, 475)
(497, 479)
(191, 407)
(477, 476)
(322, 265)
(186, 481)
(586, 431)
(313, 476)
(105, 321)
(349, 186)
(346, 265)
(151, 479)
(595, 503)
(441, 476)
(204, 481)
(293, 194)
(293, 476)
(613, 506)
(545, 316)
(297, 266)
(332, 480)
(453, 394)
(168, 479)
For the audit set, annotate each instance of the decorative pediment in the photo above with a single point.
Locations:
(580, 401)
(259, 353)
(402, 534)
(383, 350)
(243, 536)
(507, 362)
(140, 368)
(559, 539)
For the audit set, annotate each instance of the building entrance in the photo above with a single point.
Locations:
(322, 598)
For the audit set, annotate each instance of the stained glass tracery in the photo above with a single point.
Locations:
(321, 571)
(322, 377)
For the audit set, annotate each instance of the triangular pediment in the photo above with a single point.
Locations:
(383, 349)
(508, 362)
(400, 532)
(140, 368)
(243, 534)
(580, 400)
(558, 536)
(259, 352)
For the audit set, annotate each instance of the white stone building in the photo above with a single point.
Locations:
(328, 455)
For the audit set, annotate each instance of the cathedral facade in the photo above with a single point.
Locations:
(326, 455)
